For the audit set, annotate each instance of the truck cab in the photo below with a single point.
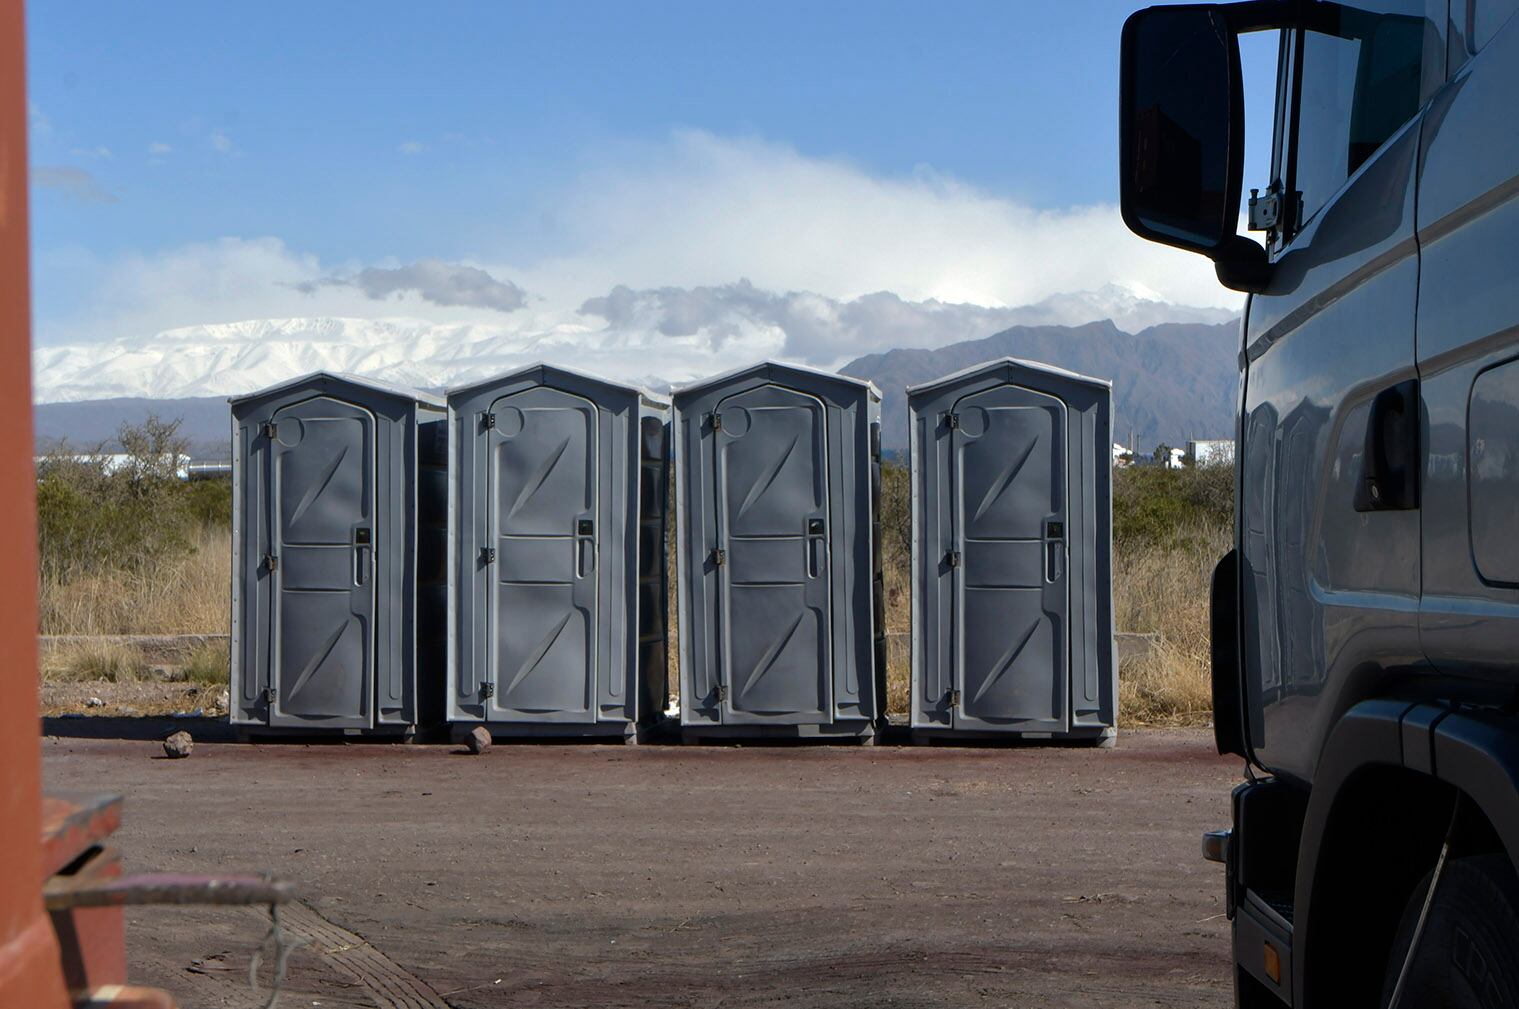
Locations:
(1366, 623)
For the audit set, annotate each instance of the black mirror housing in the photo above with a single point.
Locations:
(1182, 131)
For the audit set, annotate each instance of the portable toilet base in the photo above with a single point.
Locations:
(1012, 602)
(777, 473)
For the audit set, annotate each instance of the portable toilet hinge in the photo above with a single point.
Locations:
(951, 420)
(271, 694)
(952, 699)
(271, 563)
(271, 430)
(487, 555)
(952, 559)
(717, 421)
(719, 557)
(487, 691)
(720, 693)
(488, 421)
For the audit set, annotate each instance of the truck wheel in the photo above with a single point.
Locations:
(1466, 953)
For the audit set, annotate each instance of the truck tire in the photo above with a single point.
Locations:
(1466, 957)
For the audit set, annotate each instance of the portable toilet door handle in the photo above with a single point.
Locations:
(1054, 551)
(585, 547)
(817, 547)
(363, 555)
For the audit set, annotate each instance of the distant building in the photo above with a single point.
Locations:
(1122, 456)
(1175, 458)
(1210, 452)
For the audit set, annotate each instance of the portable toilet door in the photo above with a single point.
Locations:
(322, 563)
(324, 635)
(1012, 551)
(547, 536)
(774, 476)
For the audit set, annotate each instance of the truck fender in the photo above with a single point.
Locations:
(1473, 750)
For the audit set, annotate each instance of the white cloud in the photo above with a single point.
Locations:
(221, 143)
(703, 210)
(411, 147)
(672, 260)
(100, 153)
(158, 147)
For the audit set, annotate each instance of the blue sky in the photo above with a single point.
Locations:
(550, 141)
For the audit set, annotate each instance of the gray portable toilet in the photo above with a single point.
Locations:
(557, 594)
(337, 549)
(1012, 592)
(777, 479)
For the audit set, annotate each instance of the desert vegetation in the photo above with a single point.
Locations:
(127, 548)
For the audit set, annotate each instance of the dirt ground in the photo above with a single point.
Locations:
(608, 876)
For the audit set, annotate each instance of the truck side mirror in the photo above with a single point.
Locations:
(1182, 135)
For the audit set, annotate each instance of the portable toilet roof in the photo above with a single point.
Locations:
(774, 371)
(343, 378)
(544, 370)
(976, 370)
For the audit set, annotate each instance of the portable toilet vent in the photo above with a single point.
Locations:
(1012, 606)
(329, 549)
(777, 477)
(557, 585)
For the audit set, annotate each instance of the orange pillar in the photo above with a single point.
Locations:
(30, 974)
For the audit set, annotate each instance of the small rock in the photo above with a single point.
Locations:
(93, 702)
(179, 744)
(478, 740)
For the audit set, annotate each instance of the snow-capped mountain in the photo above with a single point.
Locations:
(655, 337)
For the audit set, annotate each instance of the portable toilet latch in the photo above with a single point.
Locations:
(271, 430)
(488, 421)
(952, 420)
(952, 559)
(952, 699)
(271, 694)
(717, 421)
(271, 563)
(718, 557)
(487, 555)
(487, 691)
(720, 693)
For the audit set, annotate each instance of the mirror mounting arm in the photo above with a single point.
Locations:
(1241, 265)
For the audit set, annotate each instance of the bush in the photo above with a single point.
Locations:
(1155, 505)
(127, 511)
(209, 502)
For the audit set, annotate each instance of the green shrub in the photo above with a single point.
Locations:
(209, 502)
(1152, 504)
(126, 512)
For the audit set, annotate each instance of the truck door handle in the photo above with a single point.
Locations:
(1389, 479)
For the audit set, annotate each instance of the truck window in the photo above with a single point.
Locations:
(1361, 67)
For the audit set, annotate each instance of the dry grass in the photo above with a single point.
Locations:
(93, 660)
(188, 594)
(1163, 587)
